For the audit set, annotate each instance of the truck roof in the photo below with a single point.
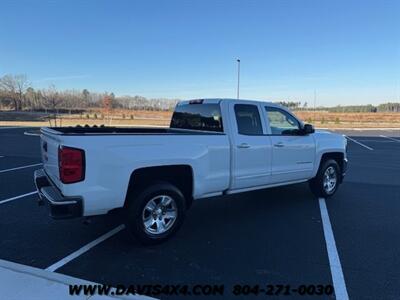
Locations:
(218, 100)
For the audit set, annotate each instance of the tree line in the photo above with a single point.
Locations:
(385, 107)
(17, 93)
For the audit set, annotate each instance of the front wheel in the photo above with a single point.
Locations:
(156, 213)
(326, 183)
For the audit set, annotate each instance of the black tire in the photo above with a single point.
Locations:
(317, 183)
(135, 212)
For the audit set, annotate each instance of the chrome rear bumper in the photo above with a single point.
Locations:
(60, 207)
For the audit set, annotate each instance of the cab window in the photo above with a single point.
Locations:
(281, 122)
(248, 119)
(204, 117)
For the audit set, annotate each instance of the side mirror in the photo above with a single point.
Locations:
(308, 128)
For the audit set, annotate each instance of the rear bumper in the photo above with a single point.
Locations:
(60, 207)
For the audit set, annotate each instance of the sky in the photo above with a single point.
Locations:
(348, 52)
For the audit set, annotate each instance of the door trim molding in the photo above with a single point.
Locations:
(259, 187)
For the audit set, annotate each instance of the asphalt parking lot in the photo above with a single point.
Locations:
(273, 236)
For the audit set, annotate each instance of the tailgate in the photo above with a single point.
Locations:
(49, 148)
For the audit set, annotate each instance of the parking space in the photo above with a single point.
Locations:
(16, 185)
(366, 225)
(17, 150)
(378, 166)
(273, 236)
(14, 144)
(29, 237)
(365, 132)
(364, 216)
(251, 238)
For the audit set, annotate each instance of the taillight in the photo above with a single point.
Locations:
(71, 163)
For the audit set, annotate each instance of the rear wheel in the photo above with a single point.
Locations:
(326, 183)
(156, 213)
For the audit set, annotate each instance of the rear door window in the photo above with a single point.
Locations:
(248, 119)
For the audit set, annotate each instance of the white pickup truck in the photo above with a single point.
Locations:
(212, 147)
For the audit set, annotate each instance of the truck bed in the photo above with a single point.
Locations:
(111, 130)
(112, 154)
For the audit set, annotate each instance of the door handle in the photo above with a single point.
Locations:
(279, 145)
(243, 145)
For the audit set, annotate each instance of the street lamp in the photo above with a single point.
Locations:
(238, 77)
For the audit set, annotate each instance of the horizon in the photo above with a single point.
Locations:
(346, 51)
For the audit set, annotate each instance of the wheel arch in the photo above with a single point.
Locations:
(180, 176)
(335, 155)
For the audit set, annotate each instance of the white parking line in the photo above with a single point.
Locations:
(13, 127)
(84, 249)
(390, 138)
(17, 197)
(357, 142)
(18, 168)
(32, 134)
(334, 261)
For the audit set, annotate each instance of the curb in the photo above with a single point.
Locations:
(44, 282)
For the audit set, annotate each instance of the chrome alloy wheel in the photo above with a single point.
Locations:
(159, 214)
(330, 179)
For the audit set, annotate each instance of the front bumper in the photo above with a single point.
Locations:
(60, 207)
(344, 168)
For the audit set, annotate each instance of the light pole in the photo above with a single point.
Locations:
(238, 77)
(315, 102)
